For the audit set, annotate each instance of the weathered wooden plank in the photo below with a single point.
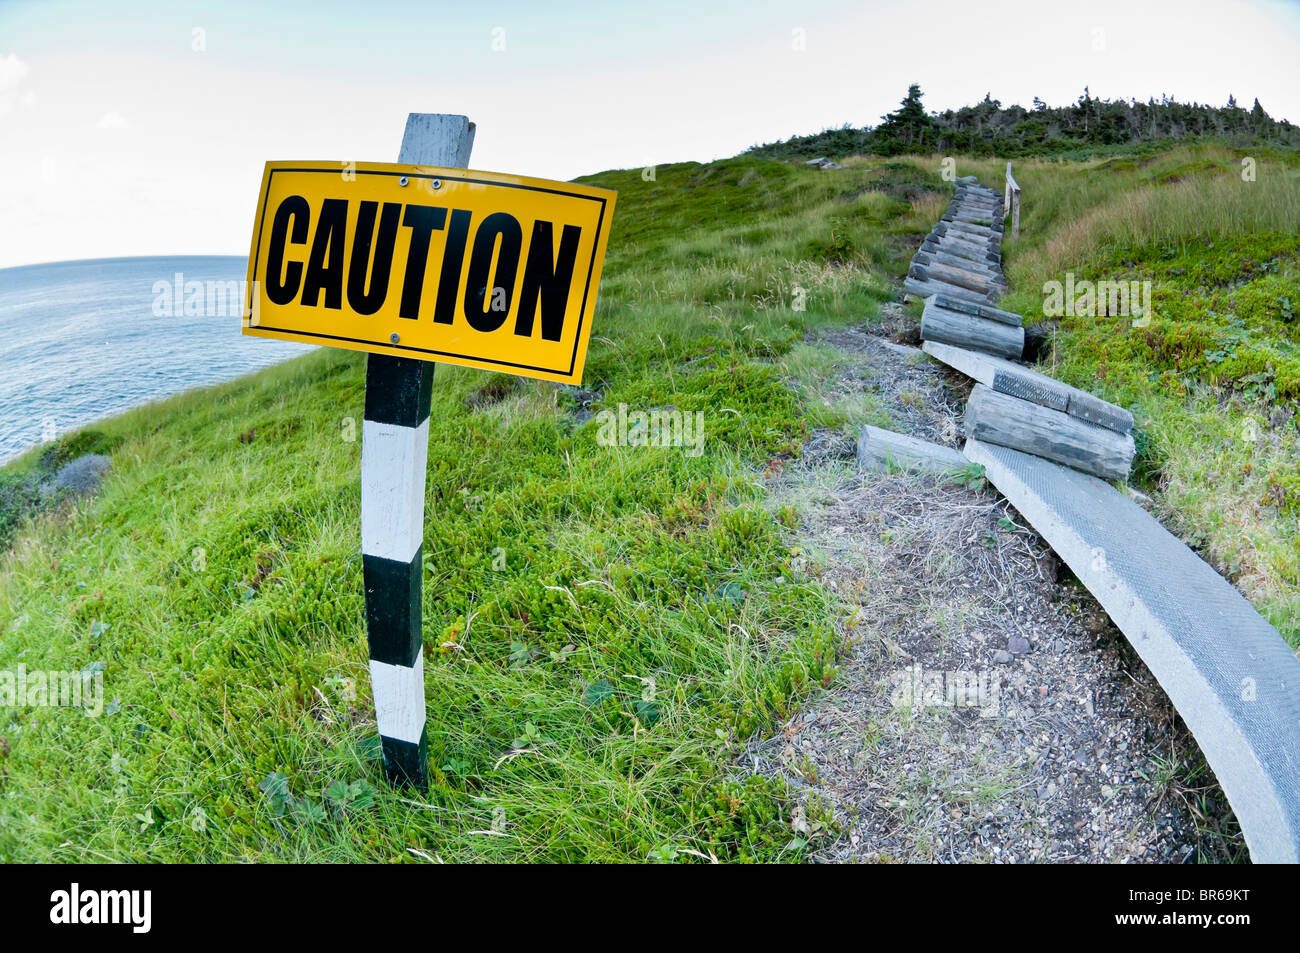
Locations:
(954, 276)
(989, 224)
(926, 289)
(884, 450)
(1052, 434)
(997, 373)
(1028, 384)
(970, 213)
(966, 232)
(969, 331)
(932, 247)
(1035, 388)
(972, 232)
(985, 241)
(930, 253)
(982, 311)
(973, 250)
(981, 249)
(973, 218)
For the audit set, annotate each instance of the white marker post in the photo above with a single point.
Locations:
(394, 452)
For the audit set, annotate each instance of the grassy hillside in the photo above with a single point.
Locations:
(1214, 379)
(604, 625)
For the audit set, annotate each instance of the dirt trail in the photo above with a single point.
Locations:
(986, 709)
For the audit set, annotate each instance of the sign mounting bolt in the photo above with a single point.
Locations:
(403, 180)
(436, 184)
(394, 337)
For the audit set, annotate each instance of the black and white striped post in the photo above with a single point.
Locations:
(394, 452)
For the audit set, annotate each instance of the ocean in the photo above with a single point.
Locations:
(83, 340)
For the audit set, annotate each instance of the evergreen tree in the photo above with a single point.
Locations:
(908, 128)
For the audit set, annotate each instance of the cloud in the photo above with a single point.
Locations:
(111, 122)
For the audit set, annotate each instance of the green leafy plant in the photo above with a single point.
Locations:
(970, 476)
(350, 798)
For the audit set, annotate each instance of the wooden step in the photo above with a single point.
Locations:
(934, 254)
(970, 228)
(1027, 384)
(1023, 425)
(932, 247)
(976, 247)
(981, 311)
(884, 450)
(927, 289)
(970, 331)
(954, 276)
(973, 217)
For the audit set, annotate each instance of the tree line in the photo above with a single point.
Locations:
(989, 128)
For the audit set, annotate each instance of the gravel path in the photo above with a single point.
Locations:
(986, 709)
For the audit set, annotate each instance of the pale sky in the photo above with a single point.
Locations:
(136, 128)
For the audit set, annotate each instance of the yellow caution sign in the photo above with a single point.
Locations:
(473, 268)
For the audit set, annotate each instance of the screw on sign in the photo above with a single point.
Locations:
(417, 262)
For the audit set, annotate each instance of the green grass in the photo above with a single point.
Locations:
(604, 626)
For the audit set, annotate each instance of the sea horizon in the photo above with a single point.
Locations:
(86, 339)
(108, 258)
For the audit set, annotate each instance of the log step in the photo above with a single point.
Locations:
(927, 289)
(968, 255)
(954, 276)
(1027, 384)
(980, 311)
(970, 331)
(935, 255)
(1023, 425)
(884, 450)
(980, 249)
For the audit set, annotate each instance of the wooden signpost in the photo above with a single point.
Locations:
(418, 262)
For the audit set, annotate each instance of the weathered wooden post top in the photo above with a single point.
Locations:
(1011, 202)
(417, 262)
